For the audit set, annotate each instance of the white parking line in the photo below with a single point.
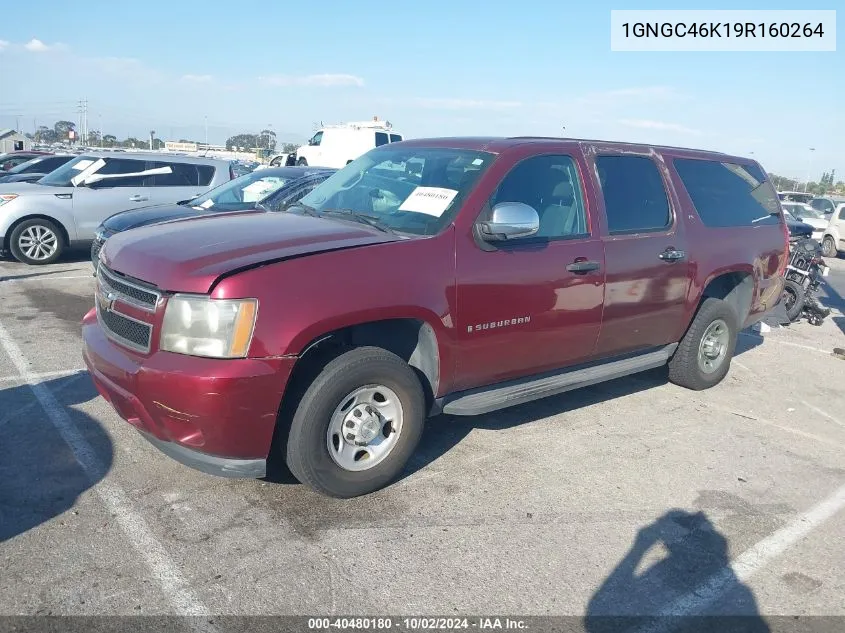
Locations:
(29, 405)
(39, 376)
(782, 342)
(173, 585)
(822, 413)
(752, 560)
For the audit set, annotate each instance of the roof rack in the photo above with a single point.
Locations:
(584, 140)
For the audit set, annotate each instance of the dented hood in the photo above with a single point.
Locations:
(190, 255)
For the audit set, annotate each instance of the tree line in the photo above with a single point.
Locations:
(60, 133)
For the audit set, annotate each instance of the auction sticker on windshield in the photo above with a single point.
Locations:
(429, 200)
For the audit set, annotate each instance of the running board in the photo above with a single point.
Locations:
(514, 392)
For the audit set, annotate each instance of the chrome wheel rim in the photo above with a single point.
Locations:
(364, 428)
(828, 247)
(714, 346)
(38, 242)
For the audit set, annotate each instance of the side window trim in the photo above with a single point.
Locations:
(669, 227)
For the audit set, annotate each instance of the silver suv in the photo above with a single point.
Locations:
(64, 208)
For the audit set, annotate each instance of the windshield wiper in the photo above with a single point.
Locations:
(307, 209)
(362, 218)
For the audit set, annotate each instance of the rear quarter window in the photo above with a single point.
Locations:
(728, 194)
(381, 139)
(184, 175)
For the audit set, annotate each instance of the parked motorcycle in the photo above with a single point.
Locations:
(804, 273)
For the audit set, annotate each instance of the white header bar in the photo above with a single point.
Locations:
(722, 30)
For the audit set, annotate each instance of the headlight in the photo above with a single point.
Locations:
(7, 197)
(201, 326)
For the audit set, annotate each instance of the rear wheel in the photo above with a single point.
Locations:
(793, 299)
(829, 246)
(703, 357)
(36, 242)
(302, 162)
(357, 424)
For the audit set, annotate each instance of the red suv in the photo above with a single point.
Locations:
(457, 275)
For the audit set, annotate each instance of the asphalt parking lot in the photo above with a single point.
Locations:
(635, 496)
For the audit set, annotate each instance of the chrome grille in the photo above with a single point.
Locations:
(122, 328)
(126, 330)
(96, 246)
(133, 293)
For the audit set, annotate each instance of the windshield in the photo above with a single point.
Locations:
(241, 193)
(413, 190)
(22, 167)
(808, 212)
(62, 176)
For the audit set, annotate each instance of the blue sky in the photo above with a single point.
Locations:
(432, 68)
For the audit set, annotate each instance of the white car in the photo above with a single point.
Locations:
(834, 235)
(64, 208)
(808, 215)
(338, 145)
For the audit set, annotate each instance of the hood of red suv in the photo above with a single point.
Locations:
(189, 255)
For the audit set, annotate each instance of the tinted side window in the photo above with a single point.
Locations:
(395, 138)
(183, 175)
(381, 139)
(550, 185)
(727, 194)
(122, 166)
(825, 206)
(634, 197)
(48, 164)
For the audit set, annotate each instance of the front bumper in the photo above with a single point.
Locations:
(217, 416)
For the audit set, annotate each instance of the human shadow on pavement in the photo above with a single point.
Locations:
(689, 586)
(40, 478)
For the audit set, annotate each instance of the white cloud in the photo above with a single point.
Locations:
(326, 80)
(665, 126)
(624, 95)
(198, 79)
(466, 104)
(37, 46)
(3, 44)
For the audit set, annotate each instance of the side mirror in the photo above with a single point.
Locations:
(508, 221)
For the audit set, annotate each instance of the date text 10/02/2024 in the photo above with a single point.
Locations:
(415, 624)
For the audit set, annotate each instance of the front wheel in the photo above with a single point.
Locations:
(703, 357)
(829, 246)
(36, 242)
(793, 299)
(357, 424)
(302, 162)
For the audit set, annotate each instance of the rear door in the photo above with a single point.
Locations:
(184, 182)
(95, 202)
(648, 273)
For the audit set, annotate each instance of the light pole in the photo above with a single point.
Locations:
(809, 168)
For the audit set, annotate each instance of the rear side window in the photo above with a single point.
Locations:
(381, 139)
(184, 175)
(395, 138)
(728, 194)
(48, 164)
(634, 197)
(825, 206)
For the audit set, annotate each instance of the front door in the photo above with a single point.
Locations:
(645, 254)
(523, 307)
(95, 202)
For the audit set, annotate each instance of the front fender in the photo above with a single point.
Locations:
(37, 206)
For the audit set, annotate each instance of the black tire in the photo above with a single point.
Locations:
(829, 246)
(307, 453)
(684, 366)
(36, 224)
(302, 162)
(793, 299)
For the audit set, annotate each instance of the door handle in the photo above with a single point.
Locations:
(672, 255)
(138, 198)
(581, 267)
